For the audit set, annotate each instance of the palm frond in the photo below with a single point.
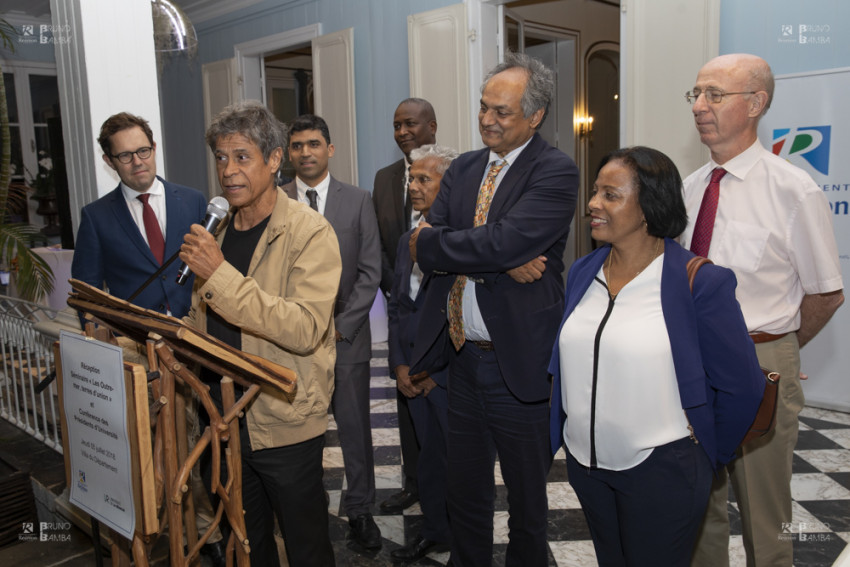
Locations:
(7, 32)
(34, 277)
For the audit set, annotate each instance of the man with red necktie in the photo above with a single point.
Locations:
(764, 218)
(126, 235)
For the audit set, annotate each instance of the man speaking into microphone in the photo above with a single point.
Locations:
(266, 284)
(216, 211)
(126, 235)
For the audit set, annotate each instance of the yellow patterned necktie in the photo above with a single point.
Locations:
(482, 207)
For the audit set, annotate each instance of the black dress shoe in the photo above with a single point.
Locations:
(215, 552)
(365, 532)
(399, 501)
(418, 548)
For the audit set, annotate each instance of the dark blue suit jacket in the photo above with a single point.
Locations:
(110, 248)
(530, 215)
(404, 313)
(720, 382)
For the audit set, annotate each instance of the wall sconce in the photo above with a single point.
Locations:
(585, 125)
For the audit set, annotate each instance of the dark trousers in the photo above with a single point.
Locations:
(649, 514)
(286, 482)
(350, 404)
(486, 420)
(430, 418)
(410, 448)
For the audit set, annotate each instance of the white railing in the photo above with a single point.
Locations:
(27, 334)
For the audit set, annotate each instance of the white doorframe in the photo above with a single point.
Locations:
(249, 58)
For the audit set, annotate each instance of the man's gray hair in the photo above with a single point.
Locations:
(443, 154)
(540, 88)
(252, 119)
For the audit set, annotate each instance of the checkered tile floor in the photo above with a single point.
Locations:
(820, 486)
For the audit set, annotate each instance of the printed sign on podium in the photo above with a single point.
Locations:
(98, 446)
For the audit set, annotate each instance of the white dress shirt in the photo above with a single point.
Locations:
(774, 230)
(473, 323)
(321, 190)
(637, 403)
(156, 201)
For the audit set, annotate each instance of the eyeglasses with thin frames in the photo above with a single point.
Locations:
(714, 96)
(127, 157)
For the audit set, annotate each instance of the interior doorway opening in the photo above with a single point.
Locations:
(289, 89)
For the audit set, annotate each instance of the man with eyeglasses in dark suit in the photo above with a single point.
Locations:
(117, 244)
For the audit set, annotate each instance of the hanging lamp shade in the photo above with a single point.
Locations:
(172, 30)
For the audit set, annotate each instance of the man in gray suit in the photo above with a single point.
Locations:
(349, 210)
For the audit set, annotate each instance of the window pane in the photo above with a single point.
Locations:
(44, 91)
(17, 155)
(11, 99)
(42, 142)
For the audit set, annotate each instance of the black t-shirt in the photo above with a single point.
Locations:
(238, 248)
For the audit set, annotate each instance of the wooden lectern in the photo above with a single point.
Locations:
(172, 349)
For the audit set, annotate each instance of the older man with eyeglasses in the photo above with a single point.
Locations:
(768, 221)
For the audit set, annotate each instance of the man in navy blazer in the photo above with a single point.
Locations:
(112, 244)
(511, 304)
(350, 212)
(426, 393)
(414, 125)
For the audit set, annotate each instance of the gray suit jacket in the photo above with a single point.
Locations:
(349, 210)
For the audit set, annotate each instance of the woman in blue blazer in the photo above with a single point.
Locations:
(653, 386)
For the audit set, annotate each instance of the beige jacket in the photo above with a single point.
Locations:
(285, 309)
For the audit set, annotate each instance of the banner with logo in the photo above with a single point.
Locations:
(808, 125)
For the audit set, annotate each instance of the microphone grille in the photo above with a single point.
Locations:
(218, 207)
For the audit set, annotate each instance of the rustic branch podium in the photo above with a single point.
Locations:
(170, 348)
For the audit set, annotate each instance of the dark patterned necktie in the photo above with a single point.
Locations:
(482, 207)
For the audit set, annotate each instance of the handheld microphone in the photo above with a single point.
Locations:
(216, 210)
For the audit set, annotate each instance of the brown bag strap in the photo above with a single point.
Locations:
(694, 264)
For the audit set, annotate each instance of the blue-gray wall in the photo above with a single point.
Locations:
(380, 71)
(756, 26)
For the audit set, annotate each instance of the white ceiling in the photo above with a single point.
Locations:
(30, 11)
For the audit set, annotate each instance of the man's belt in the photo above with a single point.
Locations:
(486, 346)
(765, 337)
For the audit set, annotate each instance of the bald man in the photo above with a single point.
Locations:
(773, 228)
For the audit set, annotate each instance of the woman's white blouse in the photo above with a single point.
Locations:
(618, 382)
